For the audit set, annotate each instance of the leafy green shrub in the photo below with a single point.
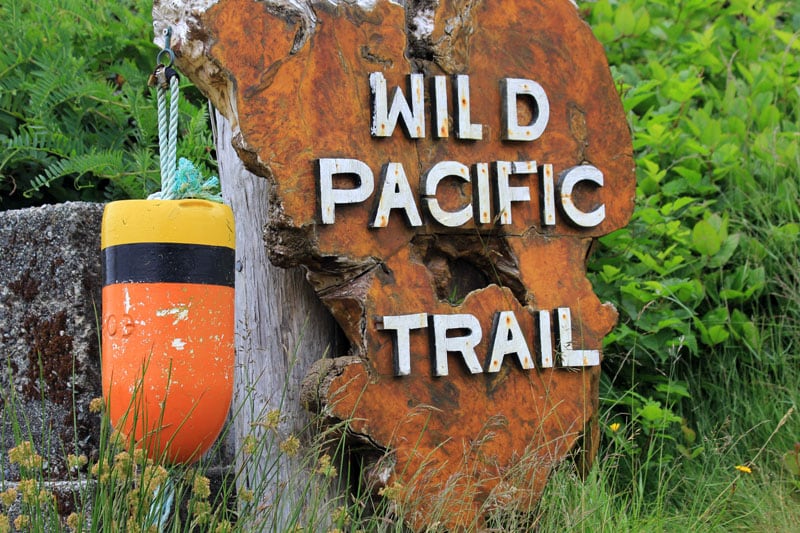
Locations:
(708, 266)
(77, 121)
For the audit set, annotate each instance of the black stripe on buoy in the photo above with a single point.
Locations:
(160, 262)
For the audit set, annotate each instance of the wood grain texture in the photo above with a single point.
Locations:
(281, 330)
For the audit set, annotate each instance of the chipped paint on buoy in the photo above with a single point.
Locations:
(168, 326)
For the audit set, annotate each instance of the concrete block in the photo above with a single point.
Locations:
(50, 284)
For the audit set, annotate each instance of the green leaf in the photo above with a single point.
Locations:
(689, 435)
(624, 20)
(705, 238)
(674, 388)
(791, 460)
(652, 412)
(642, 21)
(716, 335)
(726, 251)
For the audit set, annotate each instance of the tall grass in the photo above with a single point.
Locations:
(745, 420)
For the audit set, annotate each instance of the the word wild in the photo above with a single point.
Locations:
(507, 338)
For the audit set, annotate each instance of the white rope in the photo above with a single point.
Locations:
(162, 131)
(173, 127)
(168, 138)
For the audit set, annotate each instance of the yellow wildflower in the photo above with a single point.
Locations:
(744, 469)
(270, 420)
(122, 461)
(29, 490)
(74, 521)
(45, 497)
(100, 471)
(341, 516)
(201, 487)
(96, 405)
(393, 492)
(250, 445)
(325, 467)
(202, 512)
(224, 527)
(290, 446)
(246, 495)
(134, 499)
(23, 521)
(5, 524)
(153, 476)
(140, 457)
(25, 455)
(614, 427)
(118, 439)
(8, 496)
(133, 524)
(76, 461)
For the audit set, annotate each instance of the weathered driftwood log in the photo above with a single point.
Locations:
(281, 330)
(446, 229)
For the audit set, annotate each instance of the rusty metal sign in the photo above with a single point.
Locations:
(441, 180)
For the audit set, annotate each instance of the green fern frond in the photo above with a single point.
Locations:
(104, 164)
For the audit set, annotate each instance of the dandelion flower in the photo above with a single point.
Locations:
(744, 469)
(614, 427)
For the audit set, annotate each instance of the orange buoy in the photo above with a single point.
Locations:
(168, 322)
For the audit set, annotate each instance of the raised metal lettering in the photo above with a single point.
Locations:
(464, 344)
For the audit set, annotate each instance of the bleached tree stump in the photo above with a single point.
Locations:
(281, 330)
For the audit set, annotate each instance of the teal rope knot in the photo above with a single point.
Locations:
(187, 182)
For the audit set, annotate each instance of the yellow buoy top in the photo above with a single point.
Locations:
(201, 222)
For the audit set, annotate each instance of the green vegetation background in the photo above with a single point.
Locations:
(702, 374)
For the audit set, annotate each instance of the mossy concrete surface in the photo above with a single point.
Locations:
(50, 284)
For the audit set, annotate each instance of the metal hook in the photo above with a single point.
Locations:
(171, 55)
(167, 49)
(167, 37)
